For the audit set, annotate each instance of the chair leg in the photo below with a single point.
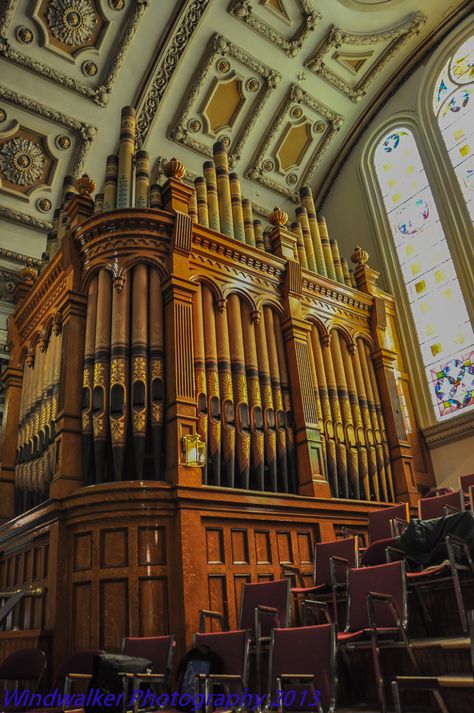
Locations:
(396, 698)
(425, 615)
(459, 600)
(378, 672)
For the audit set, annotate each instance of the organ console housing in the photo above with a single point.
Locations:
(165, 311)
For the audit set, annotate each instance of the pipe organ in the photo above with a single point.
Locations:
(190, 317)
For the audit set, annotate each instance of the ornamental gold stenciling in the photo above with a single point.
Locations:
(22, 161)
(117, 429)
(71, 21)
(241, 388)
(99, 374)
(117, 371)
(139, 421)
(156, 369)
(139, 369)
(157, 412)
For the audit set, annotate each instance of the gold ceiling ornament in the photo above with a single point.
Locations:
(85, 185)
(278, 217)
(174, 169)
(72, 21)
(22, 161)
(359, 256)
(24, 35)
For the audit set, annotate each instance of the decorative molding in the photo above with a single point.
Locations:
(29, 221)
(100, 95)
(19, 258)
(221, 47)
(394, 37)
(165, 66)
(8, 280)
(242, 10)
(453, 429)
(86, 132)
(297, 96)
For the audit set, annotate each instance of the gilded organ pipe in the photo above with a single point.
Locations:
(348, 360)
(308, 203)
(212, 200)
(302, 218)
(237, 210)
(257, 460)
(285, 389)
(125, 157)
(201, 196)
(296, 229)
(279, 415)
(258, 228)
(88, 382)
(142, 179)
(212, 376)
(156, 379)
(328, 259)
(267, 404)
(200, 373)
(223, 189)
(110, 186)
(248, 222)
(139, 365)
(100, 393)
(241, 400)
(119, 376)
(227, 397)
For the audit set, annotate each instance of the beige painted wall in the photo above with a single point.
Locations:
(452, 460)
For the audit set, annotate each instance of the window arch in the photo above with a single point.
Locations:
(452, 103)
(445, 333)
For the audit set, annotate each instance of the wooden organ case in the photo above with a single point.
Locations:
(166, 311)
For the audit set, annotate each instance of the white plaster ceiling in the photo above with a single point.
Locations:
(161, 56)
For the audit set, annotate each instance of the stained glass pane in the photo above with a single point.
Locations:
(444, 330)
(456, 116)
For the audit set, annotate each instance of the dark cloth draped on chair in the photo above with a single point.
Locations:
(424, 540)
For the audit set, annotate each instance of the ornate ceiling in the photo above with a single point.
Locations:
(288, 85)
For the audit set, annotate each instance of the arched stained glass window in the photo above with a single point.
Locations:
(453, 105)
(444, 330)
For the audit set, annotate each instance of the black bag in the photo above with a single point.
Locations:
(106, 679)
(201, 659)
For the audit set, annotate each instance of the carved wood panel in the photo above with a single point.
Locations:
(118, 583)
(240, 551)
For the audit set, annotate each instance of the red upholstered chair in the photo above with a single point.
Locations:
(264, 606)
(157, 649)
(441, 505)
(332, 562)
(27, 665)
(377, 609)
(466, 481)
(302, 662)
(232, 647)
(388, 522)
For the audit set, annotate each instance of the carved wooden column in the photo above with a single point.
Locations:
(68, 440)
(13, 380)
(178, 292)
(310, 464)
(401, 453)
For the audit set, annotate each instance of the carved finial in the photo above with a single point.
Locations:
(222, 305)
(359, 256)
(278, 217)
(42, 343)
(29, 273)
(118, 282)
(57, 323)
(174, 169)
(85, 185)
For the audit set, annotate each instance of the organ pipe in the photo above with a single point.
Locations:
(237, 210)
(223, 189)
(155, 196)
(110, 186)
(201, 195)
(285, 388)
(348, 360)
(346, 413)
(227, 397)
(241, 400)
(212, 376)
(345, 272)
(248, 222)
(296, 229)
(200, 372)
(326, 412)
(119, 368)
(212, 200)
(328, 259)
(142, 179)
(125, 157)
(193, 208)
(156, 379)
(255, 401)
(282, 465)
(308, 203)
(139, 365)
(336, 260)
(267, 404)
(100, 394)
(88, 381)
(302, 218)
(259, 242)
(375, 434)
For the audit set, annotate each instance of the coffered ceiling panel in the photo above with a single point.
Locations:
(226, 98)
(288, 85)
(295, 143)
(284, 23)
